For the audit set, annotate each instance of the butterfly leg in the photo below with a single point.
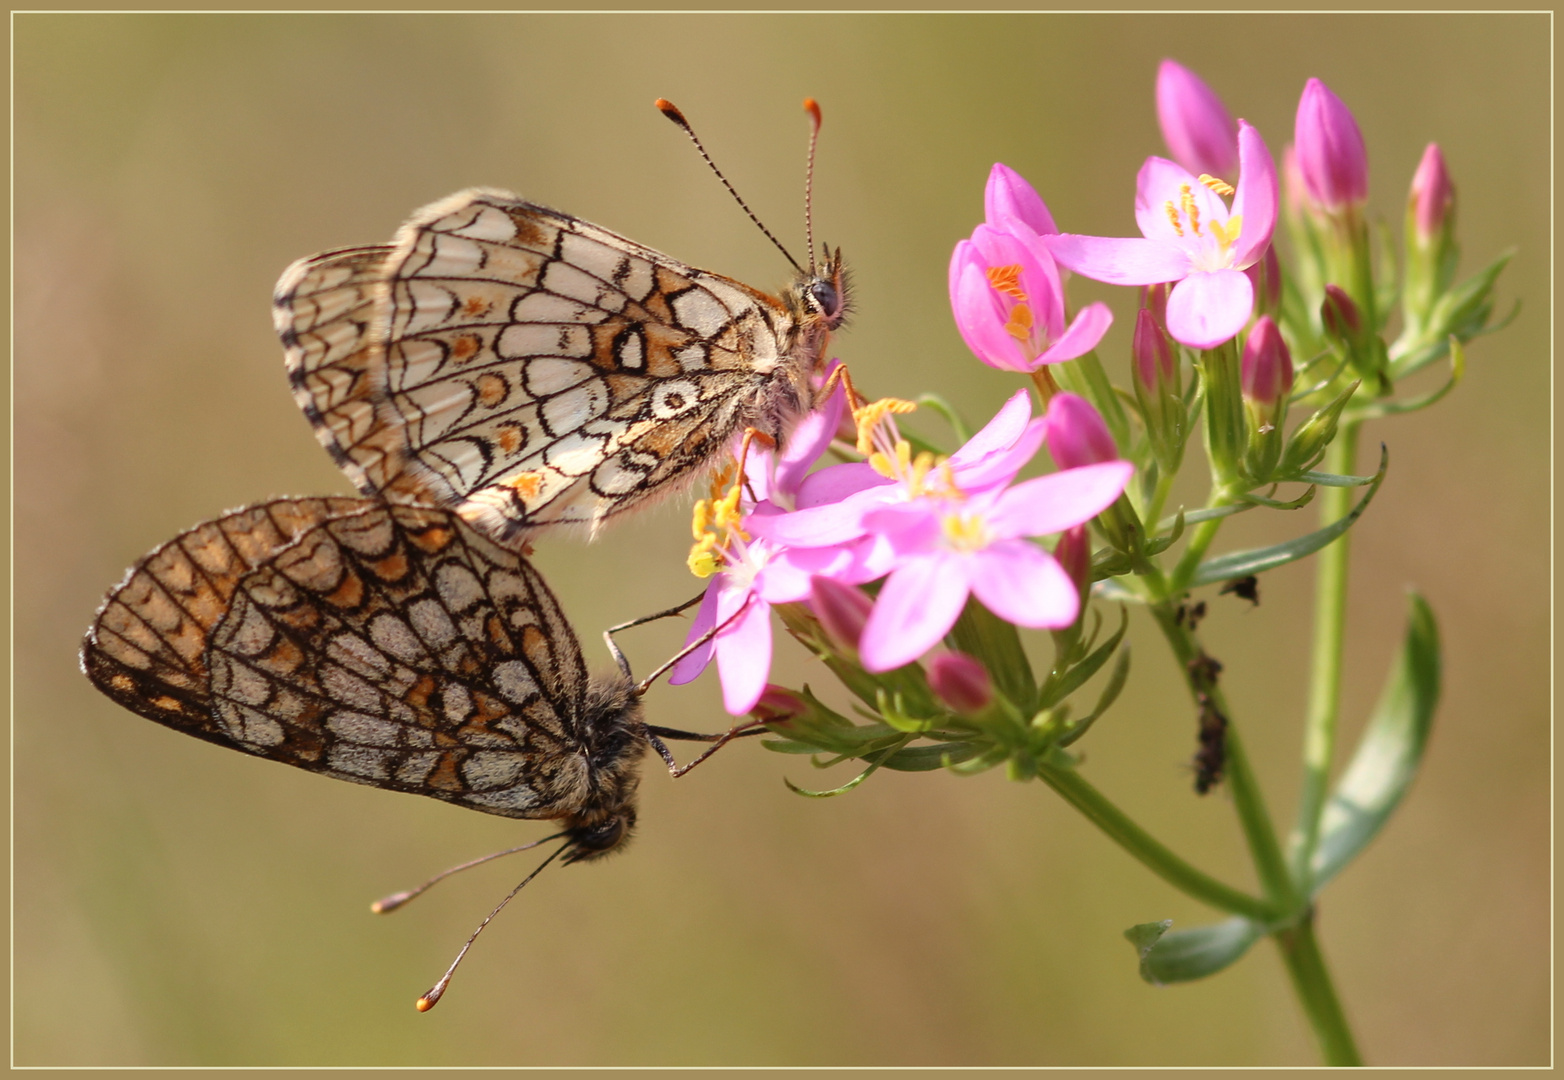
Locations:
(613, 646)
(738, 731)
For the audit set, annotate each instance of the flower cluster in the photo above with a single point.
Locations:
(899, 553)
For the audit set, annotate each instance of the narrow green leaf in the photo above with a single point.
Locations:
(1242, 563)
(930, 757)
(1184, 955)
(1277, 504)
(1210, 513)
(1324, 479)
(1110, 694)
(958, 426)
(1388, 754)
(1392, 408)
(995, 642)
(1072, 680)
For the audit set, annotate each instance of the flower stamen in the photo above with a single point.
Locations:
(1172, 212)
(1006, 279)
(1216, 184)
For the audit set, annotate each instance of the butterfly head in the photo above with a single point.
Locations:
(613, 737)
(823, 293)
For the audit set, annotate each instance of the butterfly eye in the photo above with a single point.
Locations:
(826, 298)
(591, 842)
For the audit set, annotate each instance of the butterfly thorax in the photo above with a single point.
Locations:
(818, 301)
(613, 738)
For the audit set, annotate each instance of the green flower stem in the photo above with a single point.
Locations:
(1148, 850)
(1330, 623)
(1312, 981)
(1247, 799)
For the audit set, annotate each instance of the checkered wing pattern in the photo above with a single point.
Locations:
(382, 644)
(527, 368)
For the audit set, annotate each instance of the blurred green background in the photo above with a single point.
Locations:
(176, 903)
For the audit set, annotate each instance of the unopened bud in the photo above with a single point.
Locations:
(842, 610)
(1074, 552)
(1076, 434)
(1266, 372)
(1331, 155)
(778, 704)
(1154, 298)
(1340, 315)
(1433, 196)
(961, 682)
(1155, 364)
(1197, 127)
(1156, 380)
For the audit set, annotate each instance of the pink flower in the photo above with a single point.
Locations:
(1009, 303)
(1197, 127)
(948, 549)
(1331, 155)
(1190, 237)
(961, 681)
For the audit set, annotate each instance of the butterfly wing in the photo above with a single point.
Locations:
(527, 368)
(386, 645)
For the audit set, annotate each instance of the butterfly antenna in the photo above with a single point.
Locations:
(812, 107)
(395, 900)
(671, 111)
(432, 998)
(646, 683)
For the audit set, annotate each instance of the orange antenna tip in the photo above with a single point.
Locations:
(671, 111)
(812, 107)
(424, 1004)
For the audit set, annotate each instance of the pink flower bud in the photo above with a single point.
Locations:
(1266, 277)
(778, 704)
(1340, 315)
(1267, 365)
(1154, 298)
(1197, 127)
(1331, 155)
(1076, 434)
(1155, 364)
(961, 682)
(1074, 552)
(841, 609)
(1009, 195)
(1433, 196)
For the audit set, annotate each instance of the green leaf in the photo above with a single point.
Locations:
(1110, 694)
(1278, 504)
(1210, 513)
(1184, 955)
(995, 642)
(1324, 479)
(1392, 408)
(1242, 563)
(1072, 680)
(1388, 754)
(931, 756)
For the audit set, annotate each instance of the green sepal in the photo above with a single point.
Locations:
(1389, 752)
(1175, 956)
(1054, 692)
(1306, 446)
(1242, 563)
(1391, 408)
(854, 782)
(931, 756)
(981, 633)
(1277, 504)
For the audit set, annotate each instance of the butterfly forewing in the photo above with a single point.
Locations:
(387, 645)
(527, 368)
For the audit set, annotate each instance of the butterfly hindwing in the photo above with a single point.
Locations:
(386, 645)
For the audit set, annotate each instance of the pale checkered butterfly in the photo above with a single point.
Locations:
(387, 645)
(527, 369)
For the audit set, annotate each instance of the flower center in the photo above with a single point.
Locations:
(965, 532)
(1217, 237)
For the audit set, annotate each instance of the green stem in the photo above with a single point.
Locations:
(1330, 622)
(1148, 850)
(1311, 979)
(1248, 801)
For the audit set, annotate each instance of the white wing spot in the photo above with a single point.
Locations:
(489, 769)
(514, 682)
(672, 399)
(698, 310)
(575, 408)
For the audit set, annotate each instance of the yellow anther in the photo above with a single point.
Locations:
(725, 511)
(1172, 212)
(882, 465)
(1006, 279)
(948, 475)
(1019, 325)
(1221, 187)
(705, 560)
(1226, 234)
(700, 518)
(868, 417)
(1191, 211)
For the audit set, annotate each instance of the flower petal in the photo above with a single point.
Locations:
(1120, 260)
(1090, 324)
(1158, 183)
(1024, 585)
(744, 656)
(835, 482)
(999, 433)
(1195, 124)
(1008, 194)
(1256, 198)
(1052, 503)
(1206, 309)
(690, 668)
(919, 602)
(823, 525)
(808, 442)
(981, 316)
